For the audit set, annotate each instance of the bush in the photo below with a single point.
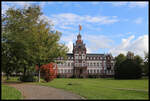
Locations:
(48, 71)
(27, 78)
(128, 69)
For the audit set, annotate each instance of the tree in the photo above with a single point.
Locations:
(8, 60)
(45, 47)
(118, 60)
(14, 36)
(31, 38)
(129, 69)
(138, 60)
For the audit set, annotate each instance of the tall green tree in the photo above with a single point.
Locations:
(31, 38)
(45, 47)
(118, 60)
(138, 60)
(15, 37)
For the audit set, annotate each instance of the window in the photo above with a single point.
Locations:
(65, 71)
(79, 57)
(91, 70)
(68, 64)
(97, 71)
(91, 64)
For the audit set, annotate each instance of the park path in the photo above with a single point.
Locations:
(32, 91)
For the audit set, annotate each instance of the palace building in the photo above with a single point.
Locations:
(80, 64)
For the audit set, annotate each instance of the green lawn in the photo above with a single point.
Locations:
(103, 88)
(10, 93)
(11, 79)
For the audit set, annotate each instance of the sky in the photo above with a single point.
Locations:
(107, 27)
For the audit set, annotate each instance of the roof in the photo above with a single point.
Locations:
(89, 54)
(70, 54)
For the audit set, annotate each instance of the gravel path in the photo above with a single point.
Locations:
(32, 91)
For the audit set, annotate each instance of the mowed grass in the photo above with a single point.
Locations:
(102, 88)
(11, 79)
(10, 93)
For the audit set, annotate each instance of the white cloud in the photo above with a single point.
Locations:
(138, 20)
(88, 50)
(130, 4)
(96, 42)
(119, 3)
(70, 19)
(138, 46)
(68, 37)
(70, 46)
(138, 4)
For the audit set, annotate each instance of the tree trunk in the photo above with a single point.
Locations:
(39, 74)
(24, 73)
(7, 76)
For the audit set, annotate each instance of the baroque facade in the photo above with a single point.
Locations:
(80, 64)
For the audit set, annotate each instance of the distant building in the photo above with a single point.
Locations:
(80, 64)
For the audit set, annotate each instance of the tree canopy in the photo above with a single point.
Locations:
(29, 39)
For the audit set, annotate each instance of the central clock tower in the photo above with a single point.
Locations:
(79, 52)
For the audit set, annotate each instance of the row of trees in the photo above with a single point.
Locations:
(131, 68)
(27, 40)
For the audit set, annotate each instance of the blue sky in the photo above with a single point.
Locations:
(107, 27)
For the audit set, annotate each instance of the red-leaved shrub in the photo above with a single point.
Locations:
(48, 71)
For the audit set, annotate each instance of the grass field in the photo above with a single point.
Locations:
(103, 88)
(10, 93)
